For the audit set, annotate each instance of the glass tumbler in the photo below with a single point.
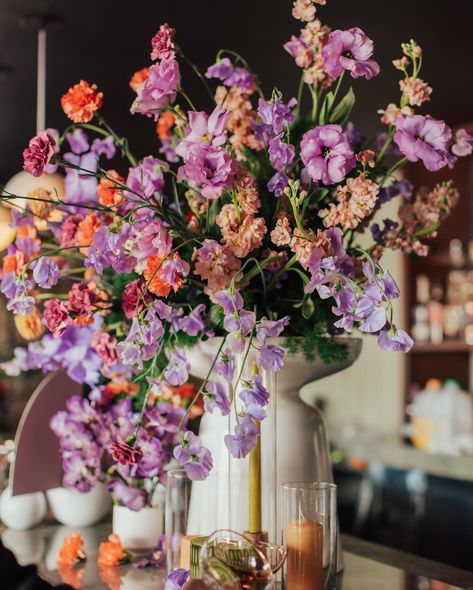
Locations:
(309, 530)
(178, 490)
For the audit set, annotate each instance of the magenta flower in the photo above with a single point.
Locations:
(159, 90)
(423, 138)
(243, 440)
(349, 50)
(56, 317)
(162, 43)
(276, 114)
(193, 457)
(131, 295)
(124, 453)
(327, 154)
(39, 152)
(204, 129)
(209, 170)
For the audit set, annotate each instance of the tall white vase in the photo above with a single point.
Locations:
(301, 450)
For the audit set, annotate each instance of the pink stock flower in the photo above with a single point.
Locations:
(39, 152)
(216, 264)
(162, 43)
(350, 50)
(205, 130)
(159, 90)
(55, 317)
(416, 90)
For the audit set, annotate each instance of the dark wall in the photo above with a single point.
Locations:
(105, 41)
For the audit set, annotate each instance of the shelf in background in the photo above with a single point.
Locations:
(446, 346)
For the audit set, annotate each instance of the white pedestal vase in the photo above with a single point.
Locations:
(138, 529)
(300, 452)
(74, 509)
(22, 512)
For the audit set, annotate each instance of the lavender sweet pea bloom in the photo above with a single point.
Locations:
(395, 339)
(133, 498)
(327, 153)
(147, 178)
(244, 438)
(423, 138)
(255, 397)
(176, 579)
(177, 372)
(108, 251)
(277, 184)
(227, 73)
(225, 365)
(276, 114)
(193, 457)
(159, 90)
(216, 397)
(281, 155)
(220, 70)
(15, 290)
(349, 50)
(192, 324)
(271, 357)
(80, 187)
(104, 147)
(270, 328)
(45, 272)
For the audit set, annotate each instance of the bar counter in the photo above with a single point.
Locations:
(367, 566)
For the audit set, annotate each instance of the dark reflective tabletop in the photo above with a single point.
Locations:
(367, 566)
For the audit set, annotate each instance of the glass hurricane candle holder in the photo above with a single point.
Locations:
(309, 530)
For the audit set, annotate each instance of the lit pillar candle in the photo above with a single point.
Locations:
(304, 539)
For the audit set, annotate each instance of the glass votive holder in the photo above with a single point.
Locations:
(309, 530)
(178, 490)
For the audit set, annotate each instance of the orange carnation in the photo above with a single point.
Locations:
(111, 577)
(81, 101)
(114, 388)
(71, 550)
(164, 124)
(14, 263)
(30, 327)
(86, 229)
(139, 78)
(108, 191)
(157, 284)
(111, 552)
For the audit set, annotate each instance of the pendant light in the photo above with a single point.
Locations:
(24, 183)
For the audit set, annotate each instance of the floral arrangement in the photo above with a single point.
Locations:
(246, 226)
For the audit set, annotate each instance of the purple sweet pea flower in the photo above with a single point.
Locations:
(216, 397)
(277, 184)
(395, 339)
(176, 579)
(193, 457)
(327, 154)
(147, 178)
(281, 155)
(423, 138)
(349, 50)
(177, 371)
(174, 268)
(45, 272)
(271, 357)
(18, 364)
(104, 147)
(142, 340)
(276, 114)
(463, 145)
(225, 365)
(78, 141)
(255, 397)
(168, 150)
(209, 170)
(108, 251)
(159, 90)
(80, 187)
(354, 135)
(192, 324)
(230, 301)
(15, 290)
(227, 73)
(244, 438)
(220, 70)
(131, 497)
(270, 328)
(204, 130)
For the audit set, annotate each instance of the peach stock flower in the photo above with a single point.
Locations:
(216, 264)
(281, 234)
(30, 327)
(108, 192)
(81, 102)
(139, 78)
(416, 90)
(302, 245)
(71, 551)
(390, 114)
(111, 552)
(247, 192)
(247, 237)
(241, 120)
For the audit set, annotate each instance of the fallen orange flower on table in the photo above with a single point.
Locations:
(71, 551)
(111, 552)
(72, 576)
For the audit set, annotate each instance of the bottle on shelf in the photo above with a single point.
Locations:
(436, 311)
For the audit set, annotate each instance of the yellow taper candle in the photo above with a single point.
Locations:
(254, 512)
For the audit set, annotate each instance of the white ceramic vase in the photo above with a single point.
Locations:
(22, 512)
(299, 453)
(138, 529)
(74, 509)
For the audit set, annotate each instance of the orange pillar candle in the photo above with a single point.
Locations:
(304, 566)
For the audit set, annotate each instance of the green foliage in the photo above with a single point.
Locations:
(341, 113)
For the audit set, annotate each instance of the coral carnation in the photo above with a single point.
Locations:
(139, 78)
(108, 192)
(71, 550)
(81, 102)
(111, 552)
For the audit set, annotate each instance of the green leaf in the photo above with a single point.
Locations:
(308, 308)
(326, 108)
(341, 113)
